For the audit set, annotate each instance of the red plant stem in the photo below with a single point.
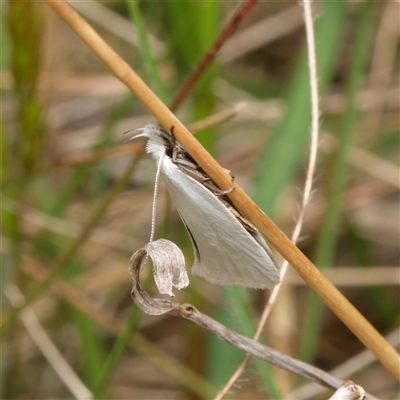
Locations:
(228, 31)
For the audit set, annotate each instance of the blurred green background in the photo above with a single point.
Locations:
(76, 196)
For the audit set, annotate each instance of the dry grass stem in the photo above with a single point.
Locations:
(369, 99)
(128, 148)
(261, 33)
(66, 374)
(368, 162)
(229, 29)
(154, 306)
(306, 191)
(366, 193)
(70, 229)
(119, 26)
(349, 368)
(114, 325)
(375, 166)
(355, 276)
(328, 293)
(383, 65)
(216, 119)
(72, 162)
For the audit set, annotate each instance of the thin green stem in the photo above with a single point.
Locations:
(148, 59)
(237, 297)
(117, 351)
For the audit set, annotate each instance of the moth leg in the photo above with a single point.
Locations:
(241, 218)
(191, 170)
(216, 190)
(175, 148)
(230, 190)
(185, 164)
(230, 174)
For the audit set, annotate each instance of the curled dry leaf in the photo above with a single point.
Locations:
(168, 265)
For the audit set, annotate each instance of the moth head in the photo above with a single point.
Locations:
(159, 141)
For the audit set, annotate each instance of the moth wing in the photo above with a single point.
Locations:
(225, 253)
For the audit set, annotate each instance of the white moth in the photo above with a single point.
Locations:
(228, 249)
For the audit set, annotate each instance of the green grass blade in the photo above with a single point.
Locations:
(148, 59)
(290, 140)
(237, 297)
(116, 353)
(199, 22)
(221, 359)
(93, 353)
(25, 26)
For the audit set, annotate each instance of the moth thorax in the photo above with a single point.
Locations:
(155, 148)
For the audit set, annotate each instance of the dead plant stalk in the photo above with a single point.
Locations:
(306, 191)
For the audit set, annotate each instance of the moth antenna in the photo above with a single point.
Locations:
(153, 212)
(130, 130)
